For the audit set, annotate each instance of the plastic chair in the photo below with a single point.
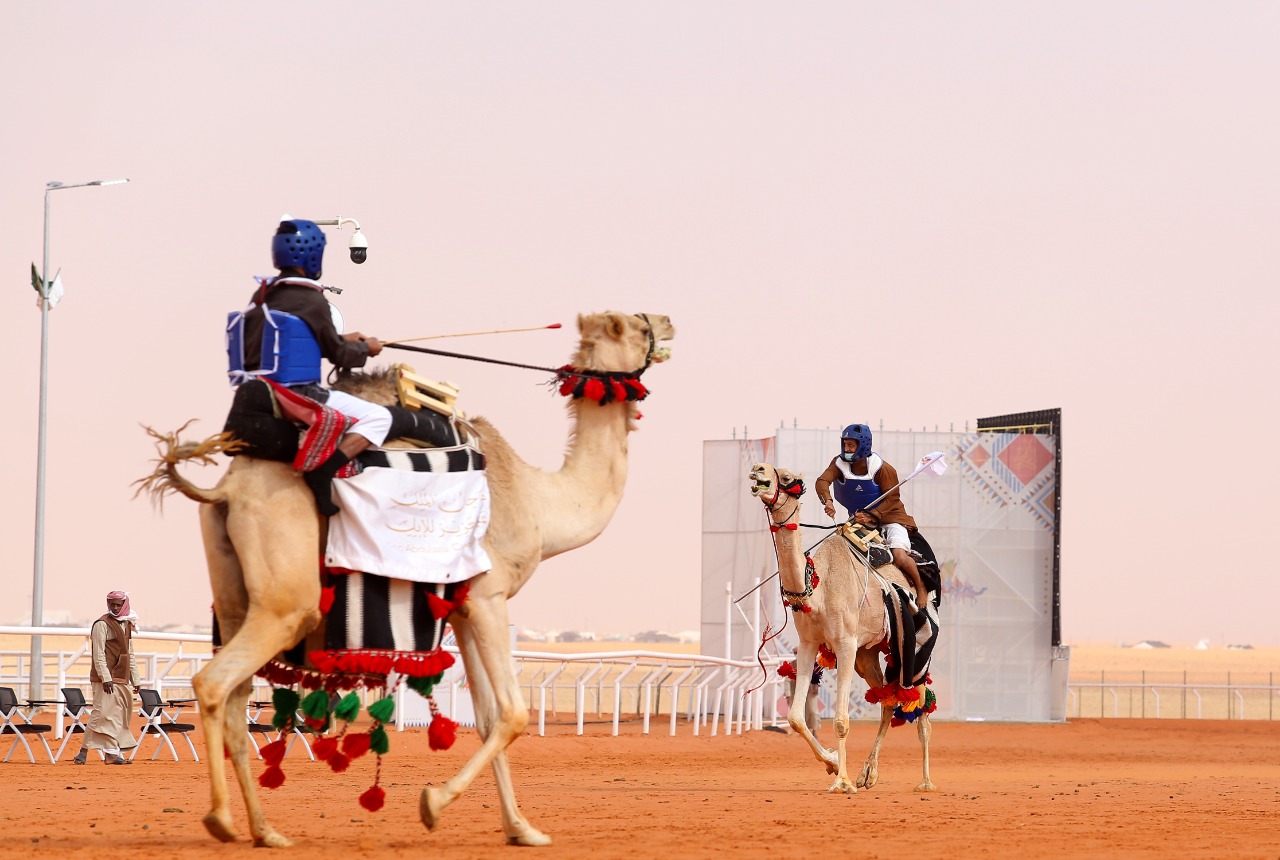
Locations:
(8, 711)
(76, 709)
(159, 725)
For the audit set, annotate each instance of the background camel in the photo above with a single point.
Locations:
(841, 607)
(262, 535)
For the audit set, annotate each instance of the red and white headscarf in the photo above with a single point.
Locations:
(126, 613)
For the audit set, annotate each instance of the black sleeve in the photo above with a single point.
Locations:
(312, 308)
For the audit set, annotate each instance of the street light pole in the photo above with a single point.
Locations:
(37, 576)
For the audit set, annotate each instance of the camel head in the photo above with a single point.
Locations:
(614, 342)
(773, 486)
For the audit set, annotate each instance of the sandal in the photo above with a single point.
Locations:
(118, 760)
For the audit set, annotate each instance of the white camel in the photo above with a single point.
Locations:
(840, 605)
(262, 534)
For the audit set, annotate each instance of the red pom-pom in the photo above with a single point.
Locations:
(787, 670)
(816, 581)
(894, 722)
(272, 777)
(326, 599)
(356, 745)
(619, 390)
(373, 799)
(339, 762)
(566, 387)
(594, 390)
(439, 606)
(909, 694)
(442, 732)
(316, 723)
(806, 608)
(273, 753)
(323, 748)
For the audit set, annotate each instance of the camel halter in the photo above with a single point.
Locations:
(795, 489)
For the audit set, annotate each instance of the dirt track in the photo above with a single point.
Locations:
(1131, 788)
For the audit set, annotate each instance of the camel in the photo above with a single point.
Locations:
(261, 535)
(840, 613)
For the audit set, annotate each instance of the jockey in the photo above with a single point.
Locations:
(303, 331)
(860, 476)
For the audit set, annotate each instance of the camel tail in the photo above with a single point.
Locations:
(165, 479)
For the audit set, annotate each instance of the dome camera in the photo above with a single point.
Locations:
(359, 247)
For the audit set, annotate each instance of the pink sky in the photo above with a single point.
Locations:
(910, 213)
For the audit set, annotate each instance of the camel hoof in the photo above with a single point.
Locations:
(842, 786)
(831, 760)
(926, 786)
(530, 838)
(430, 805)
(219, 827)
(868, 778)
(271, 839)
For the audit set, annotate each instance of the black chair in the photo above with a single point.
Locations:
(159, 725)
(76, 709)
(8, 712)
(257, 728)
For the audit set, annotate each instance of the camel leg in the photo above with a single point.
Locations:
(516, 827)
(796, 713)
(846, 658)
(925, 729)
(260, 622)
(487, 619)
(868, 666)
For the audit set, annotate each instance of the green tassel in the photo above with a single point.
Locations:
(929, 697)
(348, 709)
(424, 686)
(285, 702)
(316, 705)
(382, 709)
(378, 741)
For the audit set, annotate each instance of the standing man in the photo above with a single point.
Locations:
(112, 674)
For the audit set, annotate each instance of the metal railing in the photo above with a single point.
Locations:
(1207, 696)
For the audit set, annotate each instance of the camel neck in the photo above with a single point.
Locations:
(582, 497)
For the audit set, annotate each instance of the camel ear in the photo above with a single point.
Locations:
(616, 325)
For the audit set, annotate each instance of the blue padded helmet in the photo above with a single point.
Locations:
(298, 244)
(861, 434)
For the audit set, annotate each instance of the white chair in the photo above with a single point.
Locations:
(9, 711)
(159, 725)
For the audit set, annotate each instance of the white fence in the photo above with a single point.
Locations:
(711, 694)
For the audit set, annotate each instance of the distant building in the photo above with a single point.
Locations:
(1151, 643)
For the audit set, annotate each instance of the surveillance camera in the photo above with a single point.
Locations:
(359, 247)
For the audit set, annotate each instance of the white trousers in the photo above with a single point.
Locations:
(373, 422)
(895, 536)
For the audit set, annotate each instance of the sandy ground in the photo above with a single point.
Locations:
(1088, 788)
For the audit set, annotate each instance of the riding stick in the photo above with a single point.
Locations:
(470, 334)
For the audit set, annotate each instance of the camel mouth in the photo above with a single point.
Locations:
(761, 482)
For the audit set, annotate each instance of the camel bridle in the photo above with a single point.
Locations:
(793, 488)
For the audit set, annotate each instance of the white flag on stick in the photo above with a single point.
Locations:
(935, 463)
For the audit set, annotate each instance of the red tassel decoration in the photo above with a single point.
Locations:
(324, 748)
(272, 777)
(373, 799)
(339, 762)
(273, 753)
(787, 670)
(442, 732)
(326, 599)
(356, 745)
(439, 606)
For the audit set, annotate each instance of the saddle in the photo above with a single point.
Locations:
(868, 541)
(422, 420)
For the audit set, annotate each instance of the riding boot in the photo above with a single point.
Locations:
(320, 480)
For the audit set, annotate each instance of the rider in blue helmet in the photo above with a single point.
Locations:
(860, 476)
(303, 330)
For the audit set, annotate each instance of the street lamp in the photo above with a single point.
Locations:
(37, 576)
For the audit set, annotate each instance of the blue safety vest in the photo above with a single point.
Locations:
(856, 491)
(290, 351)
